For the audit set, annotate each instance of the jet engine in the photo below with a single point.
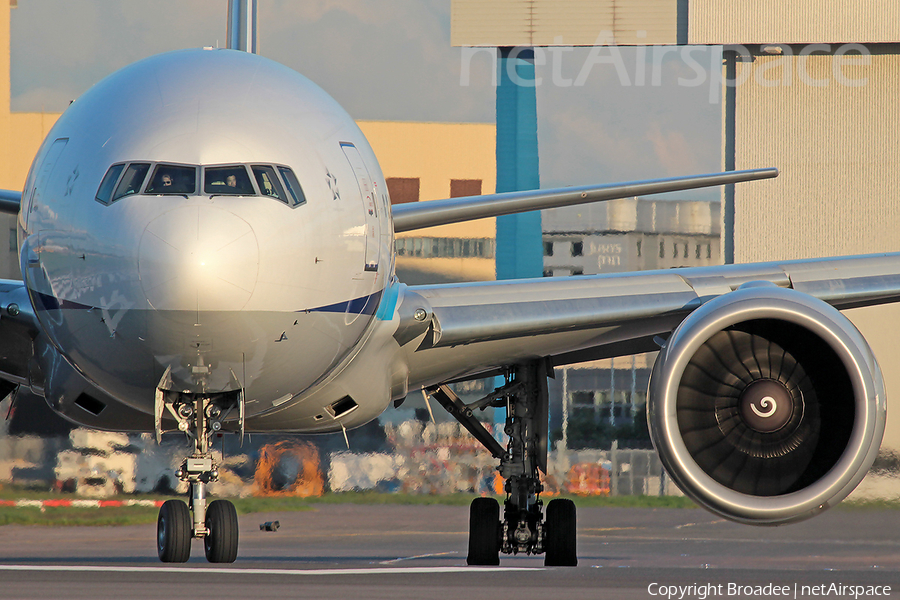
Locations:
(766, 405)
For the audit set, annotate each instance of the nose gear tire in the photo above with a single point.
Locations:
(173, 532)
(221, 543)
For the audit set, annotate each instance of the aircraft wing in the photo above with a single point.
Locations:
(481, 327)
(10, 201)
(416, 215)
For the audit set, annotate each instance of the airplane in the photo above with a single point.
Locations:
(206, 246)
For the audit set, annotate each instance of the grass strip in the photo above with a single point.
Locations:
(71, 516)
(139, 515)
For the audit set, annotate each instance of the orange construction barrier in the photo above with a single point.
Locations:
(309, 480)
(587, 479)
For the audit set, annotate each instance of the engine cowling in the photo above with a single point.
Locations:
(766, 405)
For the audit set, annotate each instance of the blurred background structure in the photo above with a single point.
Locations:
(834, 143)
(806, 86)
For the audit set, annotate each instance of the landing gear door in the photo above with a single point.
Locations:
(369, 203)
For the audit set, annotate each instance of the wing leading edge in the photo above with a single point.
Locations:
(416, 215)
(478, 327)
(10, 200)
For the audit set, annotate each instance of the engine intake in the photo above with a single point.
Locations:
(766, 405)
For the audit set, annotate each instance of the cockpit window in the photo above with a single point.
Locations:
(162, 179)
(132, 180)
(228, 181)
(293, 186)
(173, 179)
(268, 182)
(104, 194)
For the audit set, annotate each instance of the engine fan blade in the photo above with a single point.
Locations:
(748, 413)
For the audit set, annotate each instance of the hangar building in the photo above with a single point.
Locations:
(809, 86)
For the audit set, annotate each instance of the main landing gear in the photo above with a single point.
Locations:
(523, 528)
(178, 523)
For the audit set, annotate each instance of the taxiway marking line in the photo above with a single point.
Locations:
(396, 560)
(373, 533)
(716, 522)
(294, 572)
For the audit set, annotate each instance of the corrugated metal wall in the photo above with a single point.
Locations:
(567, 22)
(837, 148)
(793, 21)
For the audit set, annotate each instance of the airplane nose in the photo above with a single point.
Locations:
(198, 258)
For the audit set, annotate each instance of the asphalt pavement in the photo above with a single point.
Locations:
(387, 551)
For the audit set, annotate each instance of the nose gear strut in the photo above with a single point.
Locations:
(523, 528)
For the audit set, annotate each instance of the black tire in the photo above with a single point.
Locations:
(221, 541)
(484, 532)
(560, 538)
(173, 532)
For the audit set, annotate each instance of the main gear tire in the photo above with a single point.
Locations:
(484, 532)
(560, 549)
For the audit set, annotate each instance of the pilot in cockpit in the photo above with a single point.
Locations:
(163, 182)
(229, 180)
(172, 179)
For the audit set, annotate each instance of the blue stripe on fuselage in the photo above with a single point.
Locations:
(388, 303)
(366, 305)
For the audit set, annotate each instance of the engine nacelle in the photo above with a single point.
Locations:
(766, 405)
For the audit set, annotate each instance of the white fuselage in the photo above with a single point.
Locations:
(201, 292)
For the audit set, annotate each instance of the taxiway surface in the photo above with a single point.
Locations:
(358, 551)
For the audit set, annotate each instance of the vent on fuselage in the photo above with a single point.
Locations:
(342, 406)
(90, 404)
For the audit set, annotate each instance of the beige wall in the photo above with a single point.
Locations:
(435, 153)
(21, 135)
(494, 23)
(880, 325)
(836, 147)
(793, 22)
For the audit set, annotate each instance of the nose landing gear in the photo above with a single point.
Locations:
(524, 528)
(178, 523)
